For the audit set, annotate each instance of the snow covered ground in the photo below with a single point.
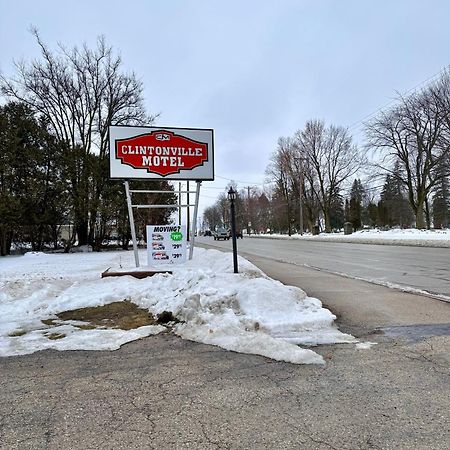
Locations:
(425, 238)
(248, 312)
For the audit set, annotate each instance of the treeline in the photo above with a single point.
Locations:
(54, 170)
(314, 176)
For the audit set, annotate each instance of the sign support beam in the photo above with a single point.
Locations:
(132, 226)
(194, 220)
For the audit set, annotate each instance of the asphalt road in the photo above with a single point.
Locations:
(165, 393)
(423, 268)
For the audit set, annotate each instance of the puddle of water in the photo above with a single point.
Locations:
(417, 332)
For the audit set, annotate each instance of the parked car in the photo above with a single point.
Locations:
(221, 233)
(238, 233)
(208, 233)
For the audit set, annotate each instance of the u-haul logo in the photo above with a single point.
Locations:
(161, 152)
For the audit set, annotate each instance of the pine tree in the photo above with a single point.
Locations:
(383, 219)
(347, 210)
(32, 195)
(441, 202)
(337, 212)
(355, 207)
(393, 198)
(372, 214)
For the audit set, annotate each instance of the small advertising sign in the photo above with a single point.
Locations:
(156, 153)
(166, 244)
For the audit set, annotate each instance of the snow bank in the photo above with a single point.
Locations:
(248, 312)
(417, 238)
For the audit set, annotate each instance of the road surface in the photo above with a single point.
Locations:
(165, 393)
(422, 268)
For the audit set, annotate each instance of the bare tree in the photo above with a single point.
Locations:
(211, 216)
(415, 134)
(80, 92)
(330, 159)
(280, 171)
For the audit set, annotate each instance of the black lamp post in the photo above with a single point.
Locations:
(232, 198)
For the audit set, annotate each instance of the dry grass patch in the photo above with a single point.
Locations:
(17, 333)
(124, 315)
(55, 336)
(49, 322)
(87, 326)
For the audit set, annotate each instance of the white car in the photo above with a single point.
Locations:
(160, 255)
(221, 233)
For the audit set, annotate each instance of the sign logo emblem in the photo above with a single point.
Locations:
(162, 152)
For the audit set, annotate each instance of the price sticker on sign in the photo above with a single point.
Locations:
(166, 244)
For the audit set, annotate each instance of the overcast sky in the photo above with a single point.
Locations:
(251, 70)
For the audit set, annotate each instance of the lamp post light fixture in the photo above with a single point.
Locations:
(232, 198)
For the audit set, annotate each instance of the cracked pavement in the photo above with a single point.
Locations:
(163, 392)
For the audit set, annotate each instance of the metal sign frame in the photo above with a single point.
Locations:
(191, 229)
(191, 150)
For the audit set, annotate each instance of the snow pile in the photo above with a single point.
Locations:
(248, 312)
(425, 238)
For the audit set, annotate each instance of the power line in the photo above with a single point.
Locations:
(394, 100)
(207, 196)
(244, 182)
(214, 187)
(224, 188)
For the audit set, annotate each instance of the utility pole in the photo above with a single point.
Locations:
(248, 210)
(300, 191)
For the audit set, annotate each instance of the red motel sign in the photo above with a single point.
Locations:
(161, 152)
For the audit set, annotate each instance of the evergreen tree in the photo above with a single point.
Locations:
(441, 202)
(32, 195)
(383, 219)
(355, 207)
(393, 198)
(372, 214)
(337, 212)
(347, 210)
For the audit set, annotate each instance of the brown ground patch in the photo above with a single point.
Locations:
(124, 315)
(17, 333)
(49, 322)
(55, 336)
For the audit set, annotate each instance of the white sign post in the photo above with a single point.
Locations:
(166, 244)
